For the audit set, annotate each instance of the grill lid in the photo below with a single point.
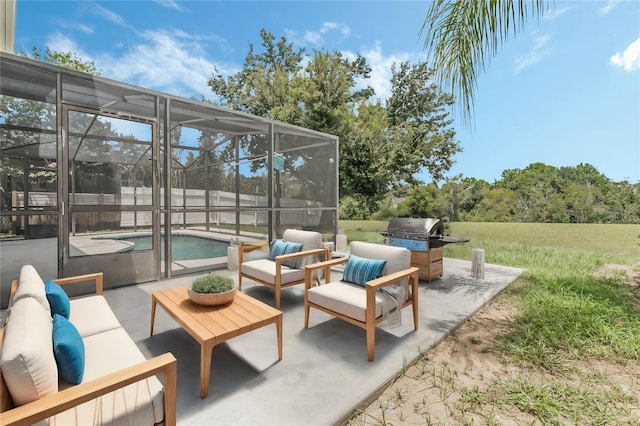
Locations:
(417, 228)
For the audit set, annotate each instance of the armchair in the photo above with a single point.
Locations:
(283, 270)
(364, 304)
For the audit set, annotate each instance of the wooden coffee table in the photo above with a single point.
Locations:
(210, 325)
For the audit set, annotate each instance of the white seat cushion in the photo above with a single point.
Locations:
(138, 404)
(92, 315)
(28, 365)
(347, 299)
(265, 270)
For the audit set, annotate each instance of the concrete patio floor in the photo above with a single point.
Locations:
(324, 373)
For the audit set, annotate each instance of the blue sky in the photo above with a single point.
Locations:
(565, 91)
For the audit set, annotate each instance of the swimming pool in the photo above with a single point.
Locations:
(183, 247)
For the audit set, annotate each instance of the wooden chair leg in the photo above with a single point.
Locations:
(371, 341)
(414, 301)
(277, 289)
(307, 308)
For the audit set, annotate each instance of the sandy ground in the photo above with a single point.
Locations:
(447, 386)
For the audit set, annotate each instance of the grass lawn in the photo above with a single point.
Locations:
(565, 341)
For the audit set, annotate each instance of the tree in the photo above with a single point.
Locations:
(496, 205)
(381, 146)
(266, 84)
(420, 124)
(537, 189)
(63, 59)
(427, 201)
(462, 36)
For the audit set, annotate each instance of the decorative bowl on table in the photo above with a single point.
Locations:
(212, 290)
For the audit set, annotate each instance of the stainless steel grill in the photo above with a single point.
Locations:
(420, 234)
(425, 238)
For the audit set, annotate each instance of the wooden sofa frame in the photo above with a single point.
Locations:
(51, 405)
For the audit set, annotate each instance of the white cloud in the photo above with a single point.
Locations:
(317, 37)
(76, 27)
(380, 78)
(609, 7)
(313, 37)
(629, 60)
(171, 4)
(555, 13)
(169, 62)
(85, 29)
(110, 16)
(538, 51)
(328, 26)
(60, 43)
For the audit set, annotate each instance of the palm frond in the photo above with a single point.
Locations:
(462, 36)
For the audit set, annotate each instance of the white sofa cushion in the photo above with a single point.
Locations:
(265, 270)
(138, 404)
(347, 299)
(92, 315)
(31, 285)
(28, 365)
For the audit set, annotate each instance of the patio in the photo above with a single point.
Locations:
(324, 374)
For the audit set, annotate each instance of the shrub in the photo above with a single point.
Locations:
(212, 283)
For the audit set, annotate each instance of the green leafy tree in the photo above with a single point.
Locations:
(427, 201)
(380, 146)
(624, 202)
(584, 189)
(353, 208)
(67, 60)
(267, 82)
(496, 205)
(420, 124)
(537, 192)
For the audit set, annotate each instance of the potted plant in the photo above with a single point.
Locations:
(212, 290)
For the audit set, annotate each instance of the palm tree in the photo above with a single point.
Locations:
(462, 36)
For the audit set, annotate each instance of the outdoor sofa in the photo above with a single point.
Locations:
(117, 386)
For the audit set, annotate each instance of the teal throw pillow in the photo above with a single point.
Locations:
(58, 299)
(360, 270)
(68, 350)
(279, 247)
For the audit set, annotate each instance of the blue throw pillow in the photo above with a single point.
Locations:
(58, 299)
(360, 270)
(279, 247)
(68, 350)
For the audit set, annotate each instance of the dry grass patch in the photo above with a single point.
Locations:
(466, 381)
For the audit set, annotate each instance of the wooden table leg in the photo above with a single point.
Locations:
(206, 353)
(279, 332)
(153, 314)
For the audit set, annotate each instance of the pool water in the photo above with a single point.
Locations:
(184, 247)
